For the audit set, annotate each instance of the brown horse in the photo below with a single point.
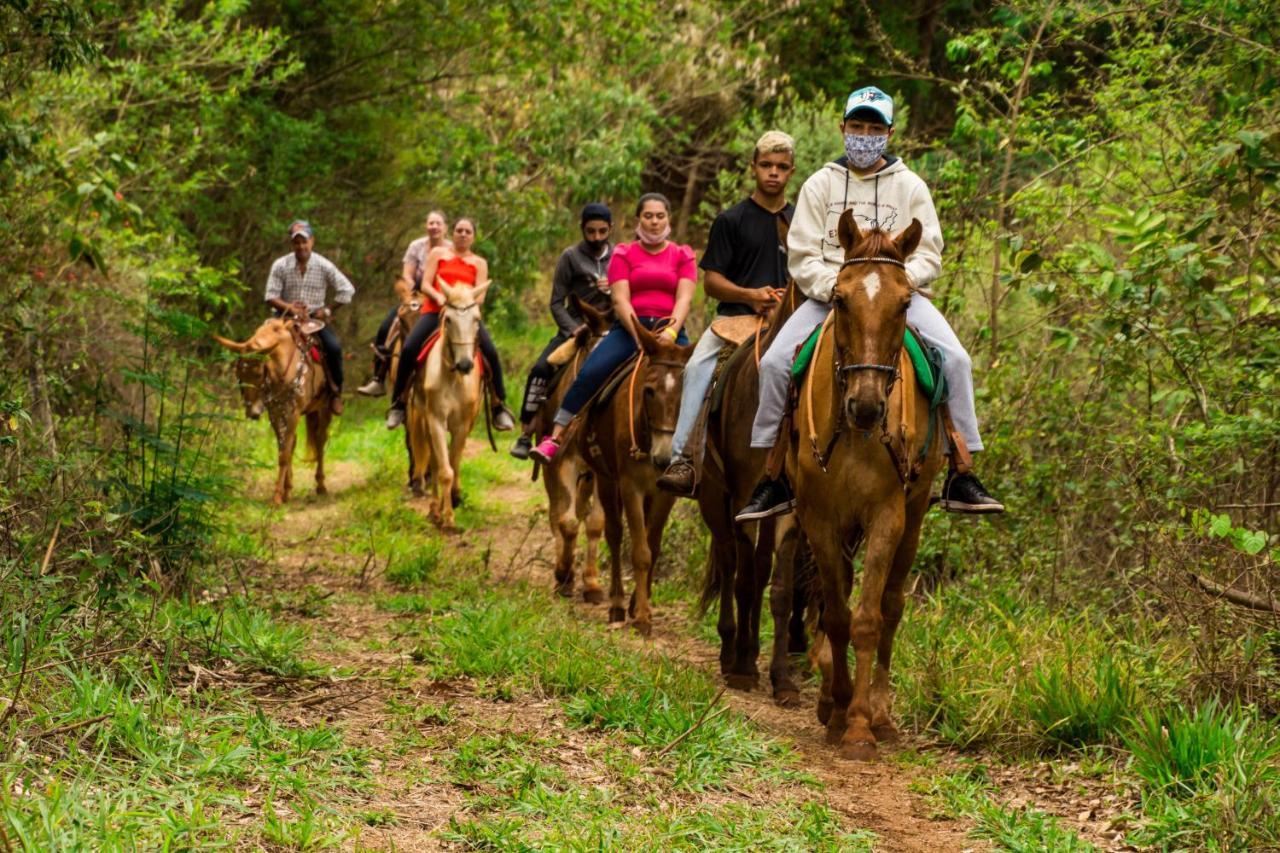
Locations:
(862, 469)
(444, 399)
(407, 314)
(627, 443)
(569, 483)
(740, 565)
(291, 385)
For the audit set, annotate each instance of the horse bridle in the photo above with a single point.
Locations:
(460, 309)
(892, 370)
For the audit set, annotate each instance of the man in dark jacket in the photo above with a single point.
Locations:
(580, 272)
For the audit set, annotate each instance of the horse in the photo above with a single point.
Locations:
(739, 567)
(444, 399)
(865, 475)
(569, 483)
(627, 444)
(288, 385)
(407, 314)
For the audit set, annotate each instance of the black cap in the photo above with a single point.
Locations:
(594, 211)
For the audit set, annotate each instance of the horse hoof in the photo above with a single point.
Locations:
(739, 681)
(786, 697)
(857, 750)
(593, 596)
(644, 629)
(825, 707)
(321, 491)
(617, 616)
(456, 499)
(565, 590)
(886, 733)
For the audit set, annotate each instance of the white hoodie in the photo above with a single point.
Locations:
(890, 198)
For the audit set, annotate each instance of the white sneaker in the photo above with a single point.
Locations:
(395, 417)
(373, 388)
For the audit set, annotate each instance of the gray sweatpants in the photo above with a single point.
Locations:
(775, 368)
(698, 373)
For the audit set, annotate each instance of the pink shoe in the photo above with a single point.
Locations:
(545, 451)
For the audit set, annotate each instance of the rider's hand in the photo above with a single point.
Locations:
(761, 299)
(322, 314)
(671, 332)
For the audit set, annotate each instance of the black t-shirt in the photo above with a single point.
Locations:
(744, 248)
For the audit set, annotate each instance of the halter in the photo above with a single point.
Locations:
(892, 370)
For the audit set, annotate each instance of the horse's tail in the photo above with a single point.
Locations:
(313, 438)
(711, 581)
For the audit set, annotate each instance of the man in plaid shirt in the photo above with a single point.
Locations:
(298, 285)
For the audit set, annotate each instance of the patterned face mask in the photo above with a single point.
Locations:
(864, 151)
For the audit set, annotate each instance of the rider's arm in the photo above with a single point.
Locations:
(482, 277)
(429, 270)
(343, 289)
(560, 282)
(805, 262)
(621, 294)
(686, 284)
(758, 299)
(925, 262)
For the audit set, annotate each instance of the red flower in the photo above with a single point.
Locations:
(119, 196)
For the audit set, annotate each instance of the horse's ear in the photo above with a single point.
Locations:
(909, 239)
(477, 293)
(403, 288)
(848, 231)
(647, 341)
(449, 291)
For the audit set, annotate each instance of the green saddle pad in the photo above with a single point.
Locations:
(927, 362)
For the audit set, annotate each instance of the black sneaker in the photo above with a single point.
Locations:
(963, 493)
(521, 448)
(771, 497)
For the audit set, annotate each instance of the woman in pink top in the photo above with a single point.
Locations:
(652, 283)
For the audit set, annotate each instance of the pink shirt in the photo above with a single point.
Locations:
(653, 278)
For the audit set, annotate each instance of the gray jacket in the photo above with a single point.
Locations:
(576, 273)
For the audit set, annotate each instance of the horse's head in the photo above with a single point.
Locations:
(663, 377)
(251, 373)
(870, 300)
(272, 333)
(460, 324)
(597, 321)
(410, 303)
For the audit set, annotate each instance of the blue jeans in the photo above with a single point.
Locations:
(698, 374)
(617, 347)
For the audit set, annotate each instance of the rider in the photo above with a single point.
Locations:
(884, 193)
(743, 264)
(297, 287)
(580, 272)
(652, 282)
(415, 260)
(456, 265)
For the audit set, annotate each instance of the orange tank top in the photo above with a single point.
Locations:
(453, 271)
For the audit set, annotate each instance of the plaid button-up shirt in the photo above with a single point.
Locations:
(310, 289)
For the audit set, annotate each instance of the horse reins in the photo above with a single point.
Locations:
(631, 394)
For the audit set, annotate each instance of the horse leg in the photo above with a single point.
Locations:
(286, 436)
(317, 436)
(837, 689)
(564, 522)
(722, 565)
(590, 511)
(891, 605)
(611, 503)
(641, 560)
(884, 536)
(744, 675)
(419, 443)
(781, 598)
(442, 473)
(657, 511)
(457, 444)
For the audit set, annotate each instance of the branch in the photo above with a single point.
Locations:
(1236, 596)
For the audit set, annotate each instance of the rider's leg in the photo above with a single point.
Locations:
(698, 373)
(409, 350)
(502, 419)
(537, 385)
(376, 386)
(956, 364)
(332, 354)
(775, 370)
(961, 492)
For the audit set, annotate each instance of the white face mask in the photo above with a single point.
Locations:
(864, 151)
(652, 241)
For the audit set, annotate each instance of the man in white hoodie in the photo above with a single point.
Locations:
(882, 192)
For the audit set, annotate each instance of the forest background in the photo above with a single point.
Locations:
(1105, 174)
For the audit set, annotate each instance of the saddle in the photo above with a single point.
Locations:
(305, 337)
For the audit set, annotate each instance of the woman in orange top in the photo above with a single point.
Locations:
(455, 265)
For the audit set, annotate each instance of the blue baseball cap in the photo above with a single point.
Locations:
(870, 98)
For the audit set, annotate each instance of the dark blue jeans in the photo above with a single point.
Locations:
(617, 347)
(539, 381)
(332, 354)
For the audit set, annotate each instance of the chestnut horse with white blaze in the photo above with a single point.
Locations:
(862, 462)
(627, 443)
(445, 396)
(287, 386)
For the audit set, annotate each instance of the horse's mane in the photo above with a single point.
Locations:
(876, 243)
